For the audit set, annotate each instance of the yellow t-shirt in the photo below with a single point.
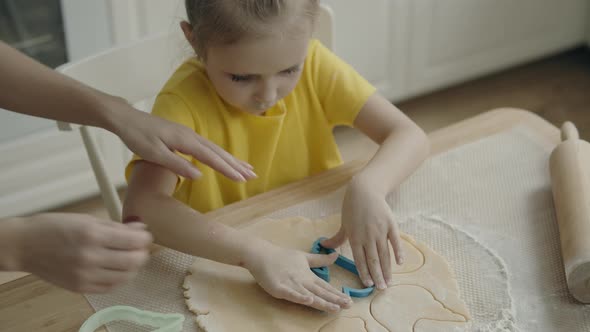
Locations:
(291, 141)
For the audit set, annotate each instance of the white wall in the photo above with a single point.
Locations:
(14, 125)
(87, 27)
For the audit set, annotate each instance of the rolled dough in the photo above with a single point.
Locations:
(424, 296)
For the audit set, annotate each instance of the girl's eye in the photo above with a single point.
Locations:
(240, 78)
(291, 70)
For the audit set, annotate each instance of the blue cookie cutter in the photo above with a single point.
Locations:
(344, 263)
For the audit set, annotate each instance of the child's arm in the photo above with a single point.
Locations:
(31, 88)
(283, 273)
(367, 219)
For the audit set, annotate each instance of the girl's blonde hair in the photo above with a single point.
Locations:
(223, 22)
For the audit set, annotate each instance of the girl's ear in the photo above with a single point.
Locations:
(187, 29)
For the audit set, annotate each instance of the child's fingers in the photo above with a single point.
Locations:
(319, 260)
(361, 264)
(340, 298)
(385, 257)
(336, 240)
(317, 301)
(334, 300)
(295, 294)
(323, 305)
(396, 242)
(374, 264)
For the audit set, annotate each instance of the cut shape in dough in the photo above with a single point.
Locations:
(424, 296)
(400, 307)
(345, 324)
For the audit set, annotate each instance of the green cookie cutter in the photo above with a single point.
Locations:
(163, 322)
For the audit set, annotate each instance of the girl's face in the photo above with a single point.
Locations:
(253, 75)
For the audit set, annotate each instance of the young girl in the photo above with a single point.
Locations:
(262, 89)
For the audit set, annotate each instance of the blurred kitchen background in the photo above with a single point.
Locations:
(439, 61)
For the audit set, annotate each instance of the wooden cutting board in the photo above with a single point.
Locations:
(30, 304)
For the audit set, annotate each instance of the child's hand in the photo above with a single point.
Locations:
(367, 221)
(286, 274)
(80, 252)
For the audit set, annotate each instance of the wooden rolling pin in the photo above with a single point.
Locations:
(570, 179)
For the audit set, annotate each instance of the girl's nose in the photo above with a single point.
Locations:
(267, 93)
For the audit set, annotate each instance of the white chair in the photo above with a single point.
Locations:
(137, 72)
